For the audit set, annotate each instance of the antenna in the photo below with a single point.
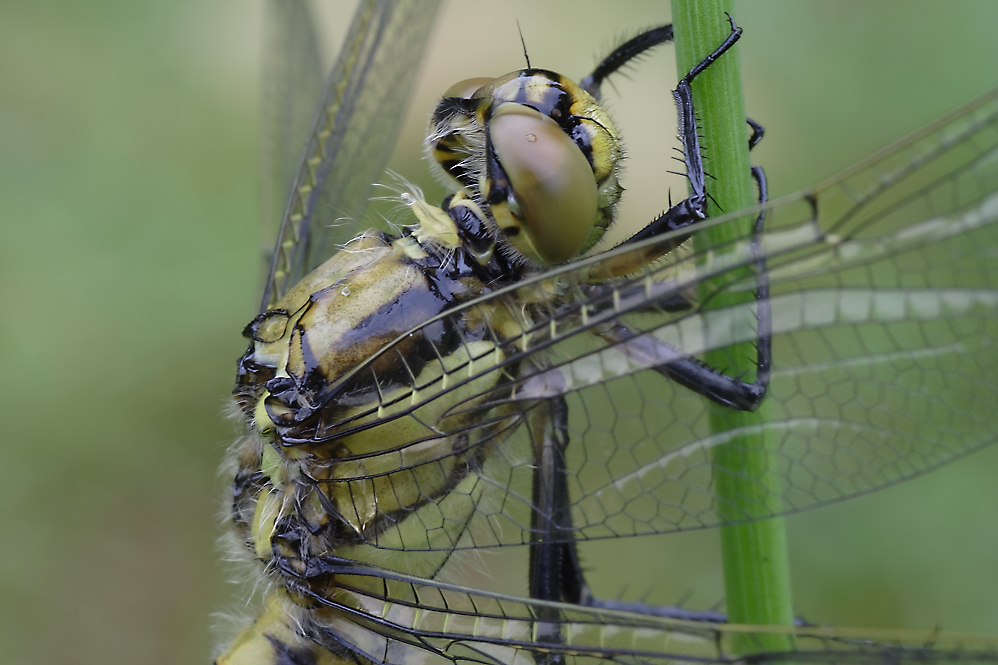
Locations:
(520, 30)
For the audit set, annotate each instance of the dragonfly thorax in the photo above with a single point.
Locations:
(336, 388)
(538, 154)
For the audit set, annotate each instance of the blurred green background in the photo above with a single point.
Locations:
(129, 262)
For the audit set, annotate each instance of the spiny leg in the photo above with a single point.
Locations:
(551, 520)
(689, 372)
(554, 573)
(623, 55)
(696, 375)
(692, 209)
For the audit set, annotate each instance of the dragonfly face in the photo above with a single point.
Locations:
(540, 153)
(463, 384)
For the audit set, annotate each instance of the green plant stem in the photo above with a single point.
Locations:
(756, 567)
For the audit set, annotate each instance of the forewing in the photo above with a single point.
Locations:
(884, 304)
(351, 136)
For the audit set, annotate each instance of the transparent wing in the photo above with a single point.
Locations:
(291, 82)
(884, 302)
(393, 618)
(351, 136)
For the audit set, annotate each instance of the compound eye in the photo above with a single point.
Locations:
(552, 182)
(466, 88)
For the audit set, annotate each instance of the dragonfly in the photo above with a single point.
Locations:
(465, 378)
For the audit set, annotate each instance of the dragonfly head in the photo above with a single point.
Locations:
(538, 154)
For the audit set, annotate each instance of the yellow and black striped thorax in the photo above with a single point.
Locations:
(540, 156)
(336, 386)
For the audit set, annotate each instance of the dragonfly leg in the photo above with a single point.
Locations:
(758, 131)
(691, 210)
(696, 375)
(623, 54)
(554, 570)
(710, 382)
(555, 567)
(694, 208)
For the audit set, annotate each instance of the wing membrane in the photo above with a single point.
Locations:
(351, 136)
(290, 85)
(884, 304)
(389, 617)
